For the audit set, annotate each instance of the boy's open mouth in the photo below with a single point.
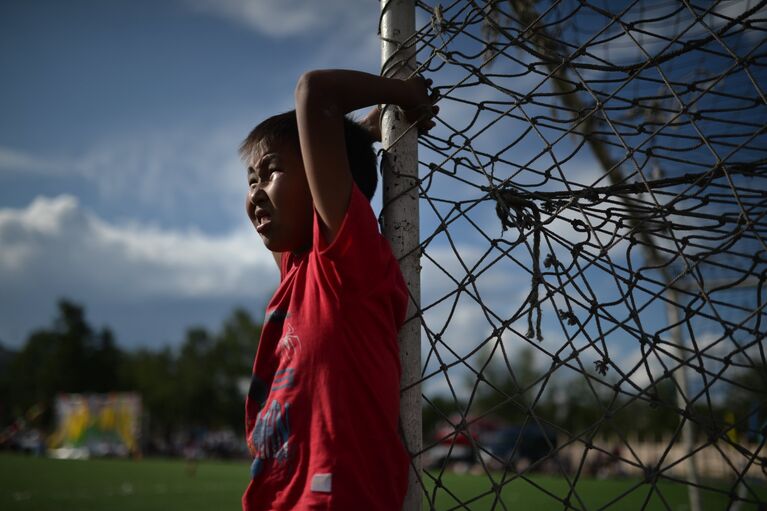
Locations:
(263, 219)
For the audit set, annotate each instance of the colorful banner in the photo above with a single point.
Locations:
(102, 424)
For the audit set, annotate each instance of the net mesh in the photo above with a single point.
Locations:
(593, 204)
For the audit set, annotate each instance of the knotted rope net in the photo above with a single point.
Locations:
(593, 254)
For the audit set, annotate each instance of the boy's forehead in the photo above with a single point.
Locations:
(265, 151)
(261, 150)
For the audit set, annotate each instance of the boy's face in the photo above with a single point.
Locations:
(279, 203)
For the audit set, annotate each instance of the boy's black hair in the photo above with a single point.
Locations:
(359, 146)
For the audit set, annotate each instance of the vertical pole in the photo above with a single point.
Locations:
(680, 377)
(400, 223)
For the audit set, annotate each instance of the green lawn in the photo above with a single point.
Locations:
(544, 493)
(40, 484)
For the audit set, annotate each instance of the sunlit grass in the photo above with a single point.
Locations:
(40, 484)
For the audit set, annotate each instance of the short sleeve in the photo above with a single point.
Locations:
(359, 254)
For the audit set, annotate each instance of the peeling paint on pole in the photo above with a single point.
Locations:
(400, 223)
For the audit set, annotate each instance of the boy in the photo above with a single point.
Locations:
(323, 406)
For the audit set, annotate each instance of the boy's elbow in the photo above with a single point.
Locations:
(312, 85)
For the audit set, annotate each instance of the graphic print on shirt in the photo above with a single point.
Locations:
(288, 345)
(276, 316)
(270, 439)
(271, 436)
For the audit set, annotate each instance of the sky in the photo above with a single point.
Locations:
(120, 184)
(121, 188)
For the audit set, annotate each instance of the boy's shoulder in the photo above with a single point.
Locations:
(359, 254)
(359, 226)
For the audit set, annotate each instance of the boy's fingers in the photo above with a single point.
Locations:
(425, 128)
(421, 111)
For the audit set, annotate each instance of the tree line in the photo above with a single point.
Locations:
(197, 385)
(588, 404)
(201, 385)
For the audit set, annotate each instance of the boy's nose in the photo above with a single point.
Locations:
(256, 195)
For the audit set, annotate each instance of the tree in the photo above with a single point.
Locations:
(509, 387)
(200, 385)
(69, 357)
(747, 400)
(6, 357)
(152, 375)
(234, 352)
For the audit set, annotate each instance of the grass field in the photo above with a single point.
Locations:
(39, 484)
(544, 493)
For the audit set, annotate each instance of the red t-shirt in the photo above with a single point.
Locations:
(323, 408)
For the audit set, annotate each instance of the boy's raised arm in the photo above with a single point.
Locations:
(322, 100)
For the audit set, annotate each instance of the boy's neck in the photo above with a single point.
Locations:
(302, 251)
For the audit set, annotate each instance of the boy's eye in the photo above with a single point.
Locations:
(264, 175)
